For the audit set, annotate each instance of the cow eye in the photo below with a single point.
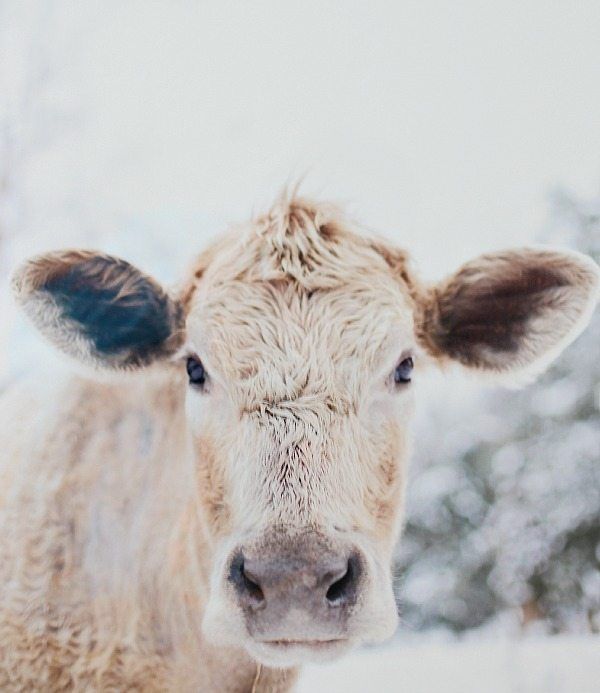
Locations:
(403, 371)
(195, 371)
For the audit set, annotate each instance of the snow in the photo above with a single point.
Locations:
(561, 664)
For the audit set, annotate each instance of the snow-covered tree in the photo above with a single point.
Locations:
(504, 514)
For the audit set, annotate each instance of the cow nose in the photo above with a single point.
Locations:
(278, 583)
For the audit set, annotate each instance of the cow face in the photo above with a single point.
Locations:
(300, 417)
(301, 343)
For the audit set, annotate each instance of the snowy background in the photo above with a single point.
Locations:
(144, 128)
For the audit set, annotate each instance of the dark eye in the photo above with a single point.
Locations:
(195, 371)
(403, 371)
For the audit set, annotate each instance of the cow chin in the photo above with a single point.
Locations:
(299, 618)
(291, 653)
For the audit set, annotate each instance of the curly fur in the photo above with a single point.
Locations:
(120, 502)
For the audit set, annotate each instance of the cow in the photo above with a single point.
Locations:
(210, 494)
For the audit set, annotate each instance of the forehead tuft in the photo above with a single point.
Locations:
(310, 245)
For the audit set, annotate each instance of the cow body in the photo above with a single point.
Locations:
(103, 562)
(215, 499)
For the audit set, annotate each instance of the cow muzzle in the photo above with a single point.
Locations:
(297, 595)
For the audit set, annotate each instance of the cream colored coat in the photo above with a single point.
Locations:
(117, 493)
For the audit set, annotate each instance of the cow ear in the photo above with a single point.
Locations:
(511, 312)
(99, 309)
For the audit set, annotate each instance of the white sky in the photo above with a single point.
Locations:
(443, 125)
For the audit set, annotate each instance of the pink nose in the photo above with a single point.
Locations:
(323, 586)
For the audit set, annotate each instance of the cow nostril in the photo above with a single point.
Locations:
(344, 589)
(252, 588)
(245, 583)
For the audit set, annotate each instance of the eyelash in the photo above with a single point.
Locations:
(196, 372)
(403, 372)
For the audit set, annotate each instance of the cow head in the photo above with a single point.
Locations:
(298, 344)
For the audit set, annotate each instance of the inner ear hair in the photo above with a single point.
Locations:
(507, 310)
(99, 308)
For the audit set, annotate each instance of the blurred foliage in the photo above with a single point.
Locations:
(504, 509)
